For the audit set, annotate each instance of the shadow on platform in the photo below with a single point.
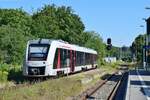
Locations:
(137, 82)
(145, 91)
(141, 72)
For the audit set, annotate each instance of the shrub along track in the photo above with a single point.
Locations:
(58, 88)
(32, 81)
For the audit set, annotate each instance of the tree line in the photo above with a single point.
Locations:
(52, 22)
(137, 47)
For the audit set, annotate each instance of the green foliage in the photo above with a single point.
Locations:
(12, 72)
(122, 53)
(15, 31)
(50, 22)
(3, 76)
(137, 46)
(126, 54)
(114, 52)
(16, 18)
(57, 23)
(4, 69)
(93, 40)
(13, 44)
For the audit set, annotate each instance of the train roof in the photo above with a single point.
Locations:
(62, 44)
(40, 41)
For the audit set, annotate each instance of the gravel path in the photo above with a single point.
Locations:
(106, 89)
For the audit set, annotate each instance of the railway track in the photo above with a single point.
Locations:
(104, 89)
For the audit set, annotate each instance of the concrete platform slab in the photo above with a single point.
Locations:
(138, 87)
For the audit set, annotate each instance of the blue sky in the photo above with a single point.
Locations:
(118, 19)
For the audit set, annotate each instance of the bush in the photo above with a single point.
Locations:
(4, 67)
(8, 72)
(4, 70)
(3, 76)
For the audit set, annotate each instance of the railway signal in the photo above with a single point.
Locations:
(109, 41)
(109, 45)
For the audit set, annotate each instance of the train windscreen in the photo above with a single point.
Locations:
(38, 52)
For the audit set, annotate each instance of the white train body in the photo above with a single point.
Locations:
(46, 57)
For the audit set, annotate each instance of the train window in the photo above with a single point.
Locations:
(88, 58)
(38, 52)
(91, 58)
(95, 59)
(64, 58)
(80, 58)
(83, 59)
(55, 59)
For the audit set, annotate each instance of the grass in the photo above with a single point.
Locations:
(58, 89)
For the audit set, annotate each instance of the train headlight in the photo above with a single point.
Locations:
(35, 71)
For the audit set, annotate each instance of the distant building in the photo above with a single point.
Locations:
(110, 59)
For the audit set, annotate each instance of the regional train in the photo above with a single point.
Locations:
(45, 57)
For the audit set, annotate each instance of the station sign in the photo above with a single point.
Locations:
(146, 47)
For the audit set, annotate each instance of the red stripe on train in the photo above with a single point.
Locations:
(58, 60)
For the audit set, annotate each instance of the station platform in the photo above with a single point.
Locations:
(138, 86)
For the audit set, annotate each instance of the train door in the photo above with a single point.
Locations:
(72, 60)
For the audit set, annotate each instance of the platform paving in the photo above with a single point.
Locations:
(138, 87)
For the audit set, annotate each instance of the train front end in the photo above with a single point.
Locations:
(35, 63)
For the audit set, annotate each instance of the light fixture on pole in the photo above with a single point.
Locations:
(143, 48)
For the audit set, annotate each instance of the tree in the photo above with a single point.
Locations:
(94, 41)
(57, 23)
(137, 46)
(15, 31)
(50, 22)
(16, 18)
(12, 44)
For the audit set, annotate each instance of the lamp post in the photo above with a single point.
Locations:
(143, 49)
(146, 37)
